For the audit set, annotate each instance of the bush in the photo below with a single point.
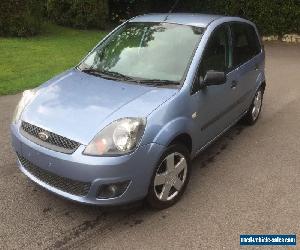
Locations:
(78, 13)
(271, 16)
(20, 17)
(124, 9)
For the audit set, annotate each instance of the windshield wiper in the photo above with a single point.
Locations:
(119, 76)
(95, 72)
(109, 75)
(158, 82)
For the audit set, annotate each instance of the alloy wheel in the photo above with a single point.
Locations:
(170, 176)
(257, 103)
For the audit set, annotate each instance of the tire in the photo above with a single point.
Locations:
(254, 110)
(168, 183)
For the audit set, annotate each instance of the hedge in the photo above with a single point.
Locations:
(23, 17)
(81, 14)
(125, 9)
(20, 17)
(271, 16)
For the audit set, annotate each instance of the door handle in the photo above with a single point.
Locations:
(234, 84)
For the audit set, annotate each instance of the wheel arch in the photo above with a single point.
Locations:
(263, 85)
(184, 139)
(177, 131)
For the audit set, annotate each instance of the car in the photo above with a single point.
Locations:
(124, 124)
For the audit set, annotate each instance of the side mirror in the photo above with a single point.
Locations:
(213, 78)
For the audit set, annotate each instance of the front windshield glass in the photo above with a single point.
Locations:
(146, 51)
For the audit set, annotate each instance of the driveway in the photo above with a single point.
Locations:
(247, 182)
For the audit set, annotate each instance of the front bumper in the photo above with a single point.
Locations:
(137, 168)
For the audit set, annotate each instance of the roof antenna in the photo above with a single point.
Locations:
(174, 6)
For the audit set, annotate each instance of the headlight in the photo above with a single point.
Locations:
(119, 137)
(27, 97)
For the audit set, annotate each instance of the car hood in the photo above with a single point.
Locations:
(77, 105)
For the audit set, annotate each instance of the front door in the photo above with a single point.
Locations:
(217, 104)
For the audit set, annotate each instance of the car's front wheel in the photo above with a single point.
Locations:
(170, 177)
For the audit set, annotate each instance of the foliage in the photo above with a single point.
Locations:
(271, 16)
(26, 63)
(78, 13)
(23, 17)
(124, 9)
(20, 17)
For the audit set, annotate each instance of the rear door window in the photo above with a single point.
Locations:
(245, 43)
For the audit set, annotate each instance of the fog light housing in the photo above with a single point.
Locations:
(112, 190)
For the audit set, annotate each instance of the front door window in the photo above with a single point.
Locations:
(217, 52)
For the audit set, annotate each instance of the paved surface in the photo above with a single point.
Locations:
(247, 182)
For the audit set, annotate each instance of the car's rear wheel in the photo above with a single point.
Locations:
(170, 177)
(255, 108)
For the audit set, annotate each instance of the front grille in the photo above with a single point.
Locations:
(62, 183)
(54, 141)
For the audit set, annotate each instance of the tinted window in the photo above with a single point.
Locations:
(217, 53)
(245, 43)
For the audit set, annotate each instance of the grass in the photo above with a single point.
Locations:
(27, 62)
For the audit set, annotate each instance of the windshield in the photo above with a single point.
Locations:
(145, 52)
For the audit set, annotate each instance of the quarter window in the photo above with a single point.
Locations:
(245, 43)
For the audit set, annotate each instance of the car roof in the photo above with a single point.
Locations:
(199, 20)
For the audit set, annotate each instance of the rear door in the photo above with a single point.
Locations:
(246, 61)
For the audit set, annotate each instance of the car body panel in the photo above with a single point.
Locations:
(95, 170)
(68, 106)
(215, 109)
